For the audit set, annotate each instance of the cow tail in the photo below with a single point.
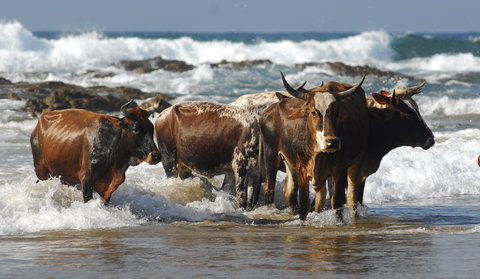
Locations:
(261, 171)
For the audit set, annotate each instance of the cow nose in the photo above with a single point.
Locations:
(428, 143)
(333, 143)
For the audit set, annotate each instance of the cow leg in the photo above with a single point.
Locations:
(252, 192)
(320, 195)
(290, 189)
(271, 165)
(338, 197)
(113, 185)
(358, 194)
(87, 189)
(240, 182)
(304, 195)
(229, 183)
(354, 184)
(239, 166)
(168, 162)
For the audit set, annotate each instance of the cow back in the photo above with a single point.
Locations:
(204, 136)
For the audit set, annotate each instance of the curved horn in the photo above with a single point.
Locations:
(301, 86)
(415, 89)
(124, 108)
(394, 100)
(403, 91)
(290, 89)
(350, 91)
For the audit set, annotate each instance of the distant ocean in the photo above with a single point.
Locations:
(422, 214)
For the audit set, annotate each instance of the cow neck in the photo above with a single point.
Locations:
(119, 143)
(382, 133)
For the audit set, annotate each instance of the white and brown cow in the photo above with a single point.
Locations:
(331, 121)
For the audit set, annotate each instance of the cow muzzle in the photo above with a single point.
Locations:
(153, 158)
(428, 143)
(331, 145)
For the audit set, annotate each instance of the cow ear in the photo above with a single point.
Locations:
(280, 96)
(384, 93)
(381, 99)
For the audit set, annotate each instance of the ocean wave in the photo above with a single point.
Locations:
(447, 106)
(449, 168)
(20, 50)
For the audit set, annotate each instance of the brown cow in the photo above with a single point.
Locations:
(91, 149)
(299, 130)
(394, 121)
(210, 139)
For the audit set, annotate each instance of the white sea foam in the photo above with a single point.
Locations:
(448, 168)
(431, 106)
(21, 51)
(458, 62)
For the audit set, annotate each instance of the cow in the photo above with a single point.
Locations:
(210, 139)
(91, 149)
(321, 121)
(394, 121)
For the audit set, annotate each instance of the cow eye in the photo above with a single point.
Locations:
(314, 113)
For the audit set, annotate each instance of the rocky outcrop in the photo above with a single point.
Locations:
(53, 95)
(153, 64)
(342, 69)
(242, 64)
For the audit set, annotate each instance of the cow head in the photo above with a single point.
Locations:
(139, 132)
(322, 109)
(408, 123)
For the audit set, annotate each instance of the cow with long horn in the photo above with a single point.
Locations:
(330, 121)
(394, 121)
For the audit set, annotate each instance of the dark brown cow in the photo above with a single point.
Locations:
(394, 121)
(91, 149)
(299, 130)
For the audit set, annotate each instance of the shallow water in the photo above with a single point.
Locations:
(429, 240)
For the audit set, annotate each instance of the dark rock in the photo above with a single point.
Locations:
(342, 69)
(242, 64)
(153, 64)
(4, 81)
(53, 95)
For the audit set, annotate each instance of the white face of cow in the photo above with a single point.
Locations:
(325, 143)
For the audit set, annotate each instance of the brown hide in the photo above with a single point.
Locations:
(288, 134)
(352, 129)
(91, 149)
(210, 139)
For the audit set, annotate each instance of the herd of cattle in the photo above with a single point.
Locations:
(329, 133)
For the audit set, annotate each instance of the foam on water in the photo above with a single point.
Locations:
(449, 168)
(21, 51)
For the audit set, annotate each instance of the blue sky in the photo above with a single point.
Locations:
(246, 15)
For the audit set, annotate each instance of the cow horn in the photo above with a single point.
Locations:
(403, 91)
(350, 91)
(301, 86)
(126, 106)
(415, 89)
(394, 100)
(290, 89)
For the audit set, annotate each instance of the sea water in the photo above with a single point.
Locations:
(422, 211)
